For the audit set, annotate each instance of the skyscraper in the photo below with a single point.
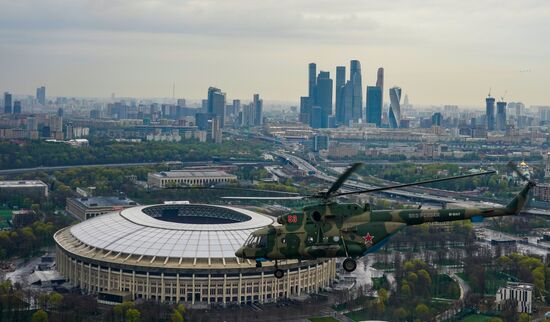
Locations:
(7, 103)
(17, 107)
(356, 80)
(501, 116)
(380, 81)
(306, 103)
(41, 95)
(324, 97)
(216, 104)
(340, 82)
(437, 119)
(490, 113)
(258, 110)
(347, 92)
(312, 80)
(374, 105)
(394, 114)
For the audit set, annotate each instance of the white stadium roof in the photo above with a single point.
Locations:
(193, 231)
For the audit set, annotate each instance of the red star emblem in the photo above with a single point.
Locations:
(368, 239)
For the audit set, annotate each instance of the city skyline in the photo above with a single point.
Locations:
(94, 49)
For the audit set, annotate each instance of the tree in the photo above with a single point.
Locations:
(133, 315)
(422, 311)
(383, 295)
(176, 316)
(40, 316)
(495, 319)
(524, 317)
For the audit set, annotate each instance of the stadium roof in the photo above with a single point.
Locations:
(178, 231)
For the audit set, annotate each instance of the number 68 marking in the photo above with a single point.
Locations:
(292, 219)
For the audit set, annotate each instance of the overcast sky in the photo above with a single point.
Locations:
(438, 51)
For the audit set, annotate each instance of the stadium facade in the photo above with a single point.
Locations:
(179, 253)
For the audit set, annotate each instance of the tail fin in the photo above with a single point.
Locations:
(519, 201)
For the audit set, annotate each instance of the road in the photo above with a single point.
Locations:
(307, 167)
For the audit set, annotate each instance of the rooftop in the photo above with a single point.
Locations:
(22, 183)
(192, 174)
(101, 202)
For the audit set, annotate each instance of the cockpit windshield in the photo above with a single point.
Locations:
(256, 241)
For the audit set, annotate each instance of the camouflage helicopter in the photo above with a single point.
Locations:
(335, 229)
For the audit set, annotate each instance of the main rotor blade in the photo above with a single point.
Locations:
(342, 178)
(264, 198)
(414, 183)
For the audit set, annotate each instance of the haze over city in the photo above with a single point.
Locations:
(439, 52)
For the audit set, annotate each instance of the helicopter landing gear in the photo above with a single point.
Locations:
(279, 273)
(258, 264)
(349, 264)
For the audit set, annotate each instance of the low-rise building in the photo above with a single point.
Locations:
(89, 207)
(176, 178)
(522, 293)
(35, 189)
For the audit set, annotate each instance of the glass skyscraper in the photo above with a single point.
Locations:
(490, 113)
(394, 115)
(374, 105)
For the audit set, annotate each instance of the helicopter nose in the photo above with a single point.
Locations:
(240, 252)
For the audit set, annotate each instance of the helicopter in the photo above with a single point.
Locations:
(333, 229)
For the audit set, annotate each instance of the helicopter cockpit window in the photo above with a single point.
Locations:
(263, 241)
(253, 241)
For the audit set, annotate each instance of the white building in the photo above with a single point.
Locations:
(188, 177)
(520, 292)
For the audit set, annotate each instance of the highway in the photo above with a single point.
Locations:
(306, 167)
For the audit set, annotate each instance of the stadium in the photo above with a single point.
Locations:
(179, 253)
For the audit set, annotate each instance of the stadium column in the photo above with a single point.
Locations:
(147, 287)
(109, 279)
(162, 294)
(133, 284)
(98, 277)
(262, 300)
(193, 289)
(316, 277)
(240, 286)
(299, 280)
(120, 279)
(81, 274)
(177, 287)
(89, 277)
(209, 286)
(288, 283)
(224, 288)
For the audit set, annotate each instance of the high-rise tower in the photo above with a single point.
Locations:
(501, 116)
(216, 104)
(324, 97)
(312, 79)
(356, 80)
(41, 95)
(340, 82)
(380, 81)
(394, 115)
(258, 110)
(374, 105)
(7, 103)
(490, 113)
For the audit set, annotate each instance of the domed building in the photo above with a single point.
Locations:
(179, 253)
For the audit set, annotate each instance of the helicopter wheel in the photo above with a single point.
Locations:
(349, 264)
(279, 273)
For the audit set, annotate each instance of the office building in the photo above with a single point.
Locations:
(306, 104)
(380, 82)
(522, 293)
(374, 105)
(356, 81)
(501, 116)
(490, 113)
(394, 114)
(17, 107)
(247, 115)
(88, 207)
(176, 178)
(347, 92)
(312, 69)
(41, 95)
(320, 142)
(437, 119)
(324, 98)
(7, 103)
(258, 110)
(180, 253)
(216, 104)
(316, 118)
(339, 92)
(34, 189)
